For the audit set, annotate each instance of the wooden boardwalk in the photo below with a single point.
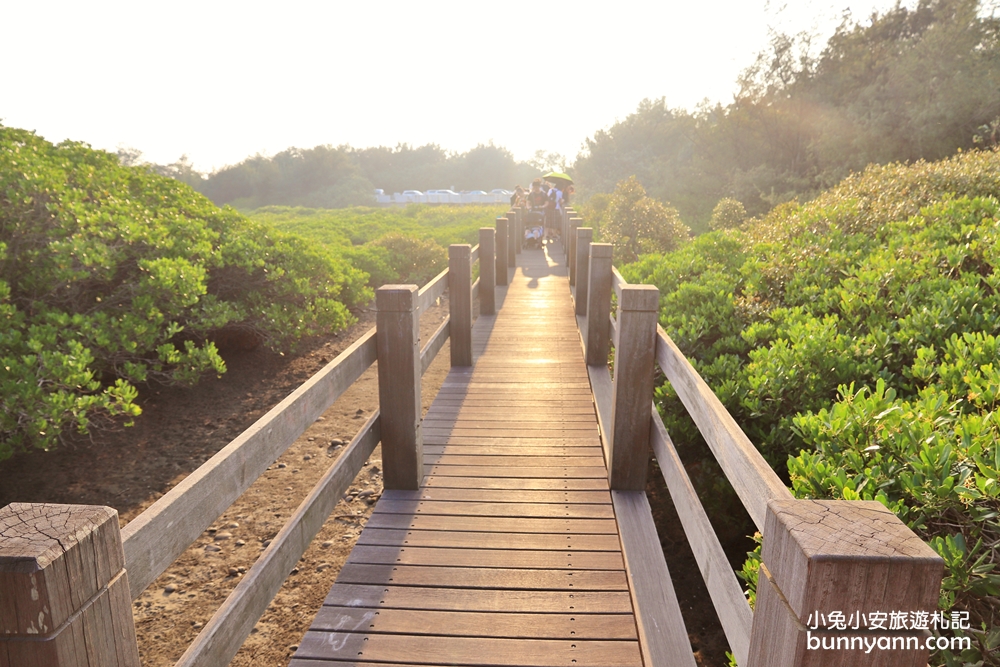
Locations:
(509, 554)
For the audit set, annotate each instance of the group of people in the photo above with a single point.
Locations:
(545, 203)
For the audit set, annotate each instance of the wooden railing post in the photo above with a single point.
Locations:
(518, 228)
(631, 407)
(512, 241)
(570, 247)
(599, 304)
(583, 237)
(503, 237)
(852, 557)
(460, 303)
(64, 596)
(487, 271)
(397, 336)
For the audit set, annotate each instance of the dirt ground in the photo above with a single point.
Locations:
(181, 428)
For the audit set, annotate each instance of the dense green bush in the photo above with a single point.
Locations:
(112, 275)
(854, 338)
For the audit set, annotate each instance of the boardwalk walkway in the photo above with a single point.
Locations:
(509, 554)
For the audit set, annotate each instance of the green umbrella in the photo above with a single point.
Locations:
(557, 176)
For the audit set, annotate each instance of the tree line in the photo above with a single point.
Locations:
(342, 176)
(911, 83)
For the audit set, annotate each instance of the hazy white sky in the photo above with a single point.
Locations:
(220, 81)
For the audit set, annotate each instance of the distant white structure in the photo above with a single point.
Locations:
(497, 196)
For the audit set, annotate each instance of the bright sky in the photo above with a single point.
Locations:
(220, 81)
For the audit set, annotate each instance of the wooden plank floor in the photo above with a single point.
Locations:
(509, 554)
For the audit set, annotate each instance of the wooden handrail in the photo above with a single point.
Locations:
(154, 539)
(434, 345)
(231, 624)
(617, 282)
(430, 292)
(730, 604)
(753, 479)
(815, 554)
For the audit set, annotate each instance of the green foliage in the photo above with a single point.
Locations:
(392, 245)
(595, 212)
(112, 275)
(855, 340)
(637, 223)
(728, 214)
(415, 261)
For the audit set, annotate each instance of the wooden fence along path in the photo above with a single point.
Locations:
(514, 527)
(508, 553)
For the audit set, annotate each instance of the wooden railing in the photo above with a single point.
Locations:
(819, 556)
(68, 575)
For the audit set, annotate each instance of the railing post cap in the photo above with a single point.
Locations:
(640, 297)
(459, 250)
(601, 250)
(852, 553)
(396, 298)
(34, 541)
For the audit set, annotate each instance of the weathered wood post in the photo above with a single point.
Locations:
(397, 338)
(631, 407)
(851, 557)
(64, 597)
(460, 303)
(518, 228)
(599, 305)
(583, 238)
(512, 241)
(501, 248)
(574, 224)
(487, 271)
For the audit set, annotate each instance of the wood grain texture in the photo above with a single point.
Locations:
(662, 634)
(223, 635)
(598, 333)
(584, 235)
(487, 271)
(574, 224)
(500, 509)
(484, 577)
(479, 540)
(502, 240)
(635, 345)
(731, 605)
(487, 558)
(858, 555)
(64, 597)
(460, 303)
(476, 624)
(562, 526)
(513, 240)
(752, 478)
(471, 651)
(399, 370)
(432, 291)
(480, 599)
